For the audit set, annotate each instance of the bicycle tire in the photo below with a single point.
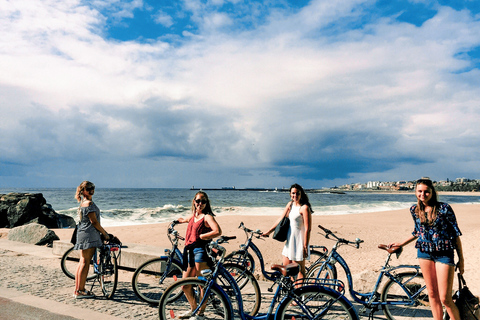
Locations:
(250, 289)
(316, 302)
(150, 280)
(242, 258)
(218, 306)
(108, 275)
(69, 264)
(316, 257)
(330, 271)
(393, 292)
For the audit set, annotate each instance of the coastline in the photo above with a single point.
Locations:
(374, 228)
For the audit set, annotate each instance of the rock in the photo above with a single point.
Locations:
(33, 233)
(18, 209)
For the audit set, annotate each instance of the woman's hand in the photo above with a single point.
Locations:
(460, 266)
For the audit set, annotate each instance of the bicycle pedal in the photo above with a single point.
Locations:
(270, 290)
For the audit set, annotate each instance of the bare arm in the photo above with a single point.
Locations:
(285, 211)
(460, 264)
(212, 224)
(307, 221)
(403, 243)
(184, 220)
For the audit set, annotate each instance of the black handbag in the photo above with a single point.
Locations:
(281, 230)
(73, 240)
(465, 301)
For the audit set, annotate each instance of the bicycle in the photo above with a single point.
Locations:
(244, 258)
(402, 296)
(152, 277)
(315, 299)
(103, 267)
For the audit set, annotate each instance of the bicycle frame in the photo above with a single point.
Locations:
(250, 244)
(371, 298)
(210, 278)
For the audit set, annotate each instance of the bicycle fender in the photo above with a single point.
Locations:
(407, 267)
(322, 289)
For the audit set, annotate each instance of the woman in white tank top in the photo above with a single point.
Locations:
(299, 212)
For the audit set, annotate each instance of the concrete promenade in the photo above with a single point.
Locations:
(33, 286)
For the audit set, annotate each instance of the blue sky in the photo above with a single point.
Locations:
(244, 93)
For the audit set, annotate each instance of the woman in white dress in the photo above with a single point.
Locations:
(299, 212)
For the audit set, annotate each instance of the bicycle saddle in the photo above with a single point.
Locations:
(291, 269)
(391, 250)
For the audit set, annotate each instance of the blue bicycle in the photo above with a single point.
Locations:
(152, 277)
(244, 258)
(314, 299)
(404, 294)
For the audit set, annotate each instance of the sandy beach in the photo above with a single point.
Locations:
(374, 228)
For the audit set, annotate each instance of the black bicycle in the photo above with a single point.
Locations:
(103, 266)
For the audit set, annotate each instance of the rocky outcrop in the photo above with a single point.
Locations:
(17, 209)
(33, 233)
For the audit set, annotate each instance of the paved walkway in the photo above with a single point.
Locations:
(33, 286)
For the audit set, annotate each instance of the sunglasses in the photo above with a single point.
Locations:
(202, 201)
(90, 189)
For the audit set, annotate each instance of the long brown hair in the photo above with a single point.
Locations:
(79, 194)
(433, 202)
(208, 208)
(303, 195)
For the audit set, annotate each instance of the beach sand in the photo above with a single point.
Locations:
(374, 228)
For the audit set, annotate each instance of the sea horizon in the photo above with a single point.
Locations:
(133, 206)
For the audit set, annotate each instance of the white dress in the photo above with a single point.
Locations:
(293, 248)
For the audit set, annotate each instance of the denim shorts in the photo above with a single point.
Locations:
(200, 255)
(445, 257)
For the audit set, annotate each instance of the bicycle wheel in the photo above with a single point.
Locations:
(69, 264)
(316, 257)
(108, 274)
(250, 289)
(315, 302)
(329, 271)
(151, 279)
(242, 258)
(217, 305)
(395, 293)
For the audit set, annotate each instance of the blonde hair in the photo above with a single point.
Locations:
(79, 194)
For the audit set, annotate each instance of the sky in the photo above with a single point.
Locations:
(175, 94)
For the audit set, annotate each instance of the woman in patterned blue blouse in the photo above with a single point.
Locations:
(438, 237)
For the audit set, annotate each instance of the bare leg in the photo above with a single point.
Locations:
(82, 269)
(187, 290)
(302, 273)
(430, 277)
(445, 275)
(199, 266)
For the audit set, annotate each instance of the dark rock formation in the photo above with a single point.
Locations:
(33, 233)
(17, 209)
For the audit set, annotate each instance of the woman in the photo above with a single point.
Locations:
(299, 213)
(201, 228)
(438, 236)
(88, 236)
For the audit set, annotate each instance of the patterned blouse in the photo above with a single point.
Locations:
(441, 235)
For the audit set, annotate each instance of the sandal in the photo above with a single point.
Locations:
(83, 294)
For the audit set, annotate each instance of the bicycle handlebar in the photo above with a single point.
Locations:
(257, 232)
(329, 233)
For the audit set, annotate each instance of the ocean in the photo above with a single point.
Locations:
(122, 207)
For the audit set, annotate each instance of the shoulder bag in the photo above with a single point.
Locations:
(73, 240)
(465, 301)
(281, 230)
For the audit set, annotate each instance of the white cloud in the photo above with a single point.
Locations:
(286, 94)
